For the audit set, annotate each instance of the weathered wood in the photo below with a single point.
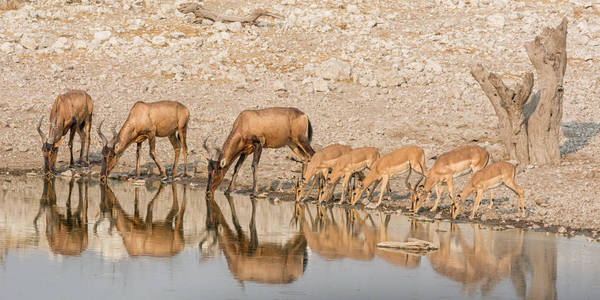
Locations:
(534, 140)
(548, 54)
(203, 13)
(508, 105)
(411, 245)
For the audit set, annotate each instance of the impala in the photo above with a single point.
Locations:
(454, 163)
(347, 165)
(319, 166)
(252, 131)
(71, 112)
(148, 121)
(396, 162)
(488, 178)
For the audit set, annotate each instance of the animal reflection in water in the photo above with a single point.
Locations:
(248, 259)
(354, 236)
(482, 263)
(147, 237)
(67, 233)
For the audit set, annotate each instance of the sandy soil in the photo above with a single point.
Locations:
(409, 83)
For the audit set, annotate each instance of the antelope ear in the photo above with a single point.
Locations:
(223, 162)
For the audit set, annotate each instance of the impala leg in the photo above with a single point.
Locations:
(255, 161)
(439, 190)
(177, 148)
(491, 198)
(476, 203)
(238, 164)
(384, 186)
(152, 144)
(71, 135)
(456, 205)
(520, 195)
(137, 157)
(344, 187)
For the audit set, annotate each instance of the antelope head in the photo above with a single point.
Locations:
(216, 165)
(110, 151)
(49, 150)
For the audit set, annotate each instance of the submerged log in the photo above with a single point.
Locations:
(410, 245)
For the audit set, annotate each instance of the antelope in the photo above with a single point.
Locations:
(148, 121)
(319, 166)
(249, 259)
(345, 166)
(454, 163)
(71, 112)
(252, 131)
(66, 234)
(396, 162)
(488, 178)
(147, 237)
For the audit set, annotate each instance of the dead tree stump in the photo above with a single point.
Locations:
(203, 13)
(534, 139)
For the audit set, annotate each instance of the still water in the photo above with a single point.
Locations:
(78, 239)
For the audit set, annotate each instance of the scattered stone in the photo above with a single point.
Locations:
(23, 148)
(31, 174)
(67, 173)
(102, 36)
(496, 20)
(320, 85)
(159, 40)
(234, 26)
(279, 85)
(562, 229)
(177, 35)
(335, 70)
(433, 67)
(29, 43)
(7, 47)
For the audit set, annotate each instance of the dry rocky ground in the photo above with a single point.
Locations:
(379, 73)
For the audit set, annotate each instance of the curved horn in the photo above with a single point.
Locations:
(422, 176)
(102, 137)
(42, 135)
(115, 135)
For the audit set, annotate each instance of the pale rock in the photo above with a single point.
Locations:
(102, 36)
(138, 41)
(496, 20)
(219, 37)
(279, 85)
(62, 43)
(7, 47)
(320, 85)
(149, 51)
(22, 148)
(236, 77)
(353, 9)
(234, 26)
(335, 70)
(67, 173)
(80, 44)
(416, 66)
(177, 35)
(28, 42)
(220, 26)
(159, 40)
(433, 67)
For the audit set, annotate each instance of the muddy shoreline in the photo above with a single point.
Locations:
(398, 205)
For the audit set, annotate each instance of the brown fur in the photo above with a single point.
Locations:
(320, 165)
(148, 121)
(71, 112)
(254, 130)
(448, 165)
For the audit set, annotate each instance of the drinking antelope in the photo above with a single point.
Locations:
(318, 167)
(252, 131)
(71, 111)
(454, 163)
(148, 121)
(345, 166)
(488, 178)
(396, 162)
